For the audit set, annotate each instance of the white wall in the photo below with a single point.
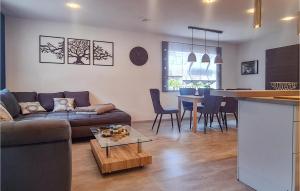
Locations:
(255, 49)
(124, 84)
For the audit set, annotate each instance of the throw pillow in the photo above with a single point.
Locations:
(4, 114)
(10, 102)
(46, 99)
(31, 107)
(81, 98)
(103, 108)
(63, 104)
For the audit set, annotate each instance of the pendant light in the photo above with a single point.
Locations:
(192, 56)
(205, 57)
(219, 59)
(257, 14)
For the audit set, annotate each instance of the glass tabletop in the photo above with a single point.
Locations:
(117, 135)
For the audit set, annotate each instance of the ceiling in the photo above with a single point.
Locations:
(170, 17)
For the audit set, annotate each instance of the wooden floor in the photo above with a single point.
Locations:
(181, 162)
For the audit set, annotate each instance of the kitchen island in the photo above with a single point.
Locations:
(268, 139)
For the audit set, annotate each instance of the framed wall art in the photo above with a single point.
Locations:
(103, 53)
(249, 67)
(51, 49)
(78, 51)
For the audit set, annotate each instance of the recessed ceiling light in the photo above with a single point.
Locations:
(250, 11)
(73, 5)
(208, 1)
(289, 18)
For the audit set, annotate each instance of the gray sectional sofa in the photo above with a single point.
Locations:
(80, 123)
(36, 148)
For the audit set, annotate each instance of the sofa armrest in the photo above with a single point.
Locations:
(34, 131)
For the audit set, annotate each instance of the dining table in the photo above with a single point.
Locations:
(195, 100)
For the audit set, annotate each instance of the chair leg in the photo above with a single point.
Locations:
(200, 117)
(236, 118)
(235, 115)
(154, 121)
(225, 119)
(219, 122)
(159, 123)
(178, 124)
(211, 117)
(191, 119)
(172, 120)
(205, 122)
(182, 115)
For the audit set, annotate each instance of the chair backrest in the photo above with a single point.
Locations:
(212, 104)
(187, 91)
(156, 100)
(203, 91)
(231, 105)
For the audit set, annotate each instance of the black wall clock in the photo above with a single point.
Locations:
(138, 56)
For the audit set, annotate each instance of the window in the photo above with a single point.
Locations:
(178, 72)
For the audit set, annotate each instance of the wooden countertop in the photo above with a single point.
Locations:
(274, 100)
(255, 93)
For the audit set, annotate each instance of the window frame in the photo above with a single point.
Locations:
(165, 67)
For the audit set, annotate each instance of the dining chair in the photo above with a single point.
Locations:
(231, 106)
(159, 110)
(187, 106)
(203, 91)
(210, 109)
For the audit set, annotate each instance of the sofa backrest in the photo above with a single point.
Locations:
(47, 99)
(25, 96)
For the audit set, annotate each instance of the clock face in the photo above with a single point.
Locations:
(138, 56)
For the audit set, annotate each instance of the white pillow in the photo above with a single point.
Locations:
(63, 104)
(4, 114)
(31, 107)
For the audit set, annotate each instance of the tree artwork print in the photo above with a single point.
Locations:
(52, 49)
(103, 53)
(78, 51)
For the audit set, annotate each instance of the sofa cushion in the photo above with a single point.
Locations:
(47, 99)
(81, 98)
(63, 104)
(81, 123)
(25, 96)
(10, 102)
(31, 107)
(4, 114)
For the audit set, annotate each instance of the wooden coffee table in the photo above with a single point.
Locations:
(115, 155)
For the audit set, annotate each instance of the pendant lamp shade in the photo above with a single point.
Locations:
(205, 57)
(192, 57)
(218, 58)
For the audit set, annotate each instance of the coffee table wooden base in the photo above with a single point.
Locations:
(121, 157)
